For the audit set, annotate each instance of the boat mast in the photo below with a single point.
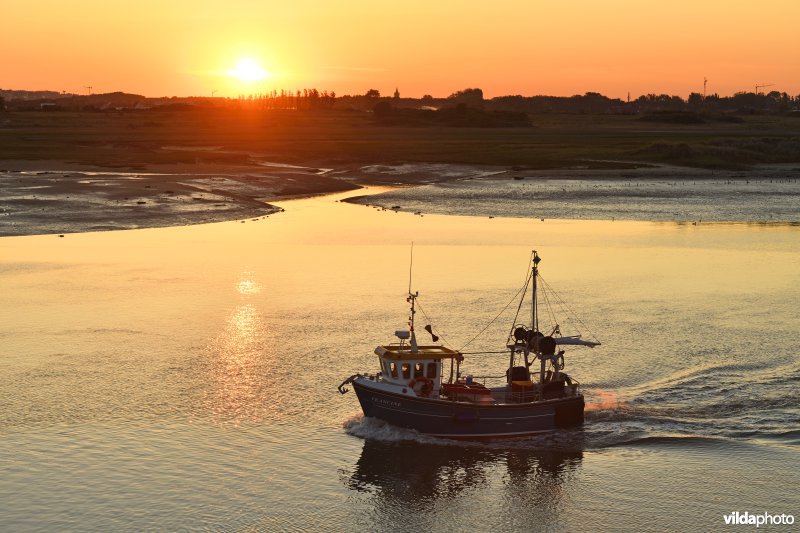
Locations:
(535, 320)
(534, 316)
(412, 298)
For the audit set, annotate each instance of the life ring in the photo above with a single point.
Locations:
(421, 386)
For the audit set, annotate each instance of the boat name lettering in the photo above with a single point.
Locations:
(385, 402)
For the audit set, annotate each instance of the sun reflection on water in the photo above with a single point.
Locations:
(247, 286)
(239, 366)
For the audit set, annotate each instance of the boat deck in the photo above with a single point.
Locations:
(514, 393)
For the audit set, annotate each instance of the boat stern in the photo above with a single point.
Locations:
(569, 414)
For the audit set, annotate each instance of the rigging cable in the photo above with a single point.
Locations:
(521, 301)
(569, 309)
(549, 307)
(428, 319)
(528, 278)
(500, 313)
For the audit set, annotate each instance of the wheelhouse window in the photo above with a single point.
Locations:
(406, 369)
(431, 371)
(419, 370)
(393, 367)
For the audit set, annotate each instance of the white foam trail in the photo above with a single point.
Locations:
(372, 428)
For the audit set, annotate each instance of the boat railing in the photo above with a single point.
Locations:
(504, 392)
(484, 378)
(342, 388)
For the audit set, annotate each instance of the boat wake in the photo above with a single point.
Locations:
(714, 404)
(376, 429)
(604, 401)
(373, 429)
(674, 441)
(691, 418)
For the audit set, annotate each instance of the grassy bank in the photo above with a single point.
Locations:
(141, 139)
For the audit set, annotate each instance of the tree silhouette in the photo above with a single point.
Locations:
(468, 96)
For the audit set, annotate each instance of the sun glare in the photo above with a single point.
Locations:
(248, 70)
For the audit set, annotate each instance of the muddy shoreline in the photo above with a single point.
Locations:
(54, 197)
(58, 198)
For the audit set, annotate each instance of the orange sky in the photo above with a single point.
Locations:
(560, 47)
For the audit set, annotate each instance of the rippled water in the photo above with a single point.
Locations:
(184, 378)
(678, 200)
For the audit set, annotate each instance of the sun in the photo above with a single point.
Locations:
(248, 69)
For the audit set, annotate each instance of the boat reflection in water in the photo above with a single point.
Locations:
(409, 479)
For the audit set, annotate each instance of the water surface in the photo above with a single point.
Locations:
(674, 200)
(185, 378)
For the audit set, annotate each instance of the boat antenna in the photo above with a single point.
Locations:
(410, 266)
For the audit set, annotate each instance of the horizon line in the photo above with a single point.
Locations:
(267, 92)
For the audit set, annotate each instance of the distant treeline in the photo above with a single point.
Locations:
(300, 99)
(467, 106)
(458, 115)
(597, 103)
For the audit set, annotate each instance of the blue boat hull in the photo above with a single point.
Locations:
(443, 418)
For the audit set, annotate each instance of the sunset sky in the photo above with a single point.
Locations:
(177, 47)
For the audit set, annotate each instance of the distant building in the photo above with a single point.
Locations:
(396, 93)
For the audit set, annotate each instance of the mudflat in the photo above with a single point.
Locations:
(86, 171)
(67, 198)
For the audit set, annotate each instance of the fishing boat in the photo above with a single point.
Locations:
(410, 390)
